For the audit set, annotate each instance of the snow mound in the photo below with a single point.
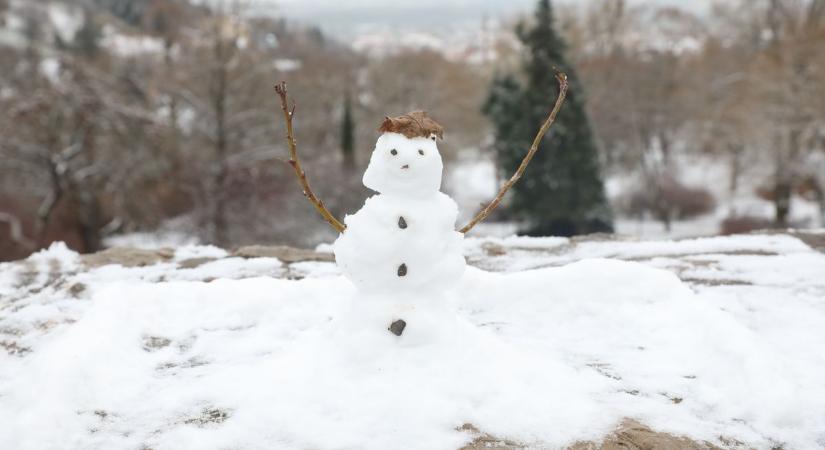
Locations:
(543, 357)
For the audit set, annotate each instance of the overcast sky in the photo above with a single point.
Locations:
(346, 16)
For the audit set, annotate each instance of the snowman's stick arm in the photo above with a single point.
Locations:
(280, 89)
(562, 79)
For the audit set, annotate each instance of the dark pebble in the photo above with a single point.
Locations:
(397, 327)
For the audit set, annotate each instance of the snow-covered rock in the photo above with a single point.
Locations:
(551, 344)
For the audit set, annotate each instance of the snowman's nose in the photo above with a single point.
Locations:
(405, 166)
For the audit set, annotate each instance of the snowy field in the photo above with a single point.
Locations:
(546, 343)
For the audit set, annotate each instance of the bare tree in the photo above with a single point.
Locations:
(786, 77)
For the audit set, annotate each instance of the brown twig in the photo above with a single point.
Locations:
(280, 89)
(562, 79)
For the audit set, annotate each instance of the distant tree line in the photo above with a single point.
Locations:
(741, 85)
(160, 114)
(101, 135)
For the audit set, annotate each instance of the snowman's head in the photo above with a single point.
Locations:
(404, 165)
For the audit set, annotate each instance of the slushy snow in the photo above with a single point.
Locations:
(164, 357)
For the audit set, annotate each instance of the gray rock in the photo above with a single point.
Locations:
(282, 252)
(128, 257)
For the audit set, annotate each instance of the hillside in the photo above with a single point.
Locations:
(700, 343)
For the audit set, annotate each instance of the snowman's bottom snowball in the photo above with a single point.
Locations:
(431, 318)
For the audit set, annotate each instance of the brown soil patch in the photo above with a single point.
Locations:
(629, 435)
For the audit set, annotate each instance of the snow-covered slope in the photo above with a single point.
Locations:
(545, 344)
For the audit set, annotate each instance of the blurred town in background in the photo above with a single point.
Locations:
(154, 122)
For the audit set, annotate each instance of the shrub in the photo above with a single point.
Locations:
(744, 224)
(668, 199)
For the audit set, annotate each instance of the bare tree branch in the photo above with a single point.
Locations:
(44, 212)
(16, 230)
(562, 79)
(280, 89)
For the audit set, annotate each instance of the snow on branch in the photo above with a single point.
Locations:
(16, 230)
(280, 89)
(562, 79)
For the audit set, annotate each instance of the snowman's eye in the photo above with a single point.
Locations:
(421, 152)
(394, 152)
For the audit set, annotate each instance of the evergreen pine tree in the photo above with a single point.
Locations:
(87, 40)
(130, 11)
(348, 134)
(561, 192)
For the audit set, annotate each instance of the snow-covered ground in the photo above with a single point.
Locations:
(546, 342)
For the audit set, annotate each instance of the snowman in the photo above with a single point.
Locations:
(401, 249)
(402, 245)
